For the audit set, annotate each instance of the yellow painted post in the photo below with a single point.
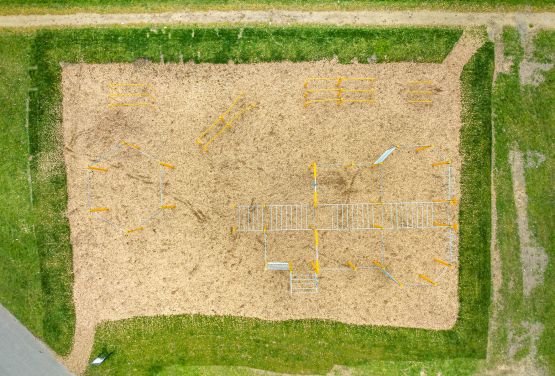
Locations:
(314, 170)
(422, 148)
(135, 229)
(315, 266)
(315, 199)
(442, 262)
(95, 210)
(290, 266)
(351, 265)
(101, 169)
(233, 230)
(441, 163)
(427, 279)
(172, 206)
(316, 238)
(378, 264)
(167, 165)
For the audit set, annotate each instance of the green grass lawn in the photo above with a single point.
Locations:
(20, 266)
(74, 6)
(525, 118)
(148, 345)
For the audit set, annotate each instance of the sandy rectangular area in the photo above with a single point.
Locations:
(186, 260)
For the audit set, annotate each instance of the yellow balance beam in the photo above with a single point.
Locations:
(101, 169)
(133, 146)
(427, 279)
(167, 206)
(96, 210)
(445, 263)
(441, 163)
(135, 229)
(422, 148)
(351, 265)
(167, 165)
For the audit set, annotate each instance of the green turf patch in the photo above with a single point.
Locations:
(525, 118)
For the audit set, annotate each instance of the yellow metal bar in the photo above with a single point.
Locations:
(96, 210)
(101, 169)
(452, 201)
(146, 104)
(377, 226)
(118, 84)
(132, 95)
(135, 229)
(351, 265)
(233, 230)
(166, 165)
(341, 90)
(130, 145)
(221, 118)
(240, 114)
(316, 238)
(315, 200)
(378, 264)
(442, 262)
(315, 266)
(359, 100)
(172, 206)
(290, 266)
(419, 92)
(420, 101)
(454, 226)
(422, 148)
(314, 170)
(441, 163)
(427, 279)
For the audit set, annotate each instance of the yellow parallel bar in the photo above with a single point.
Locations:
(316, 238)
(420, 101)
(117, 84)
(377, 226)
(131, 145)
(454, 226)
(378, 264)
(101, 169)
(132, 95)
(135, 229)
(130, 104)
(166, 165)
(315, 266)
(314, 170)
(95, 210)
(427, 279)
(441, 163)
(419, 92)
(221, 118)
(442, 262)
(167, 206)
(351, 265)
(421, 148)
(290, 266)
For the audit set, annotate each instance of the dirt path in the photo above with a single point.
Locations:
(280, 17)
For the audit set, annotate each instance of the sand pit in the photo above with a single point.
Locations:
(186, 260)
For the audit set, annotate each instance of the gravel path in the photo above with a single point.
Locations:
(280, 17)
